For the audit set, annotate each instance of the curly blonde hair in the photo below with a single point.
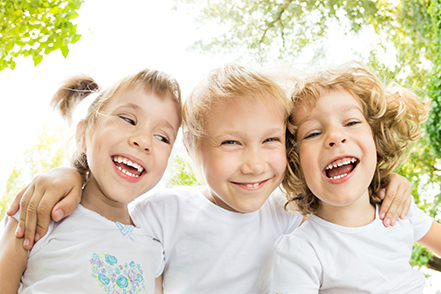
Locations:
(394, 114)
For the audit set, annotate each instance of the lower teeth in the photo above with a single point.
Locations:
(338, 177)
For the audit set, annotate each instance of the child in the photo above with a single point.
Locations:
(218, 238)
(123, 148)
(349, 133)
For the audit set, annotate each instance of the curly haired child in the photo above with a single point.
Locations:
(348, 134)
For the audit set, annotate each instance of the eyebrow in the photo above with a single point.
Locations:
(344, 108)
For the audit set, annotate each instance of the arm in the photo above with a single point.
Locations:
(13, 259)
(432, 239)
(158, 285)
(56, 192)
(396, 199)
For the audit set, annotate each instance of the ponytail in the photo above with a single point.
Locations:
(65, 100)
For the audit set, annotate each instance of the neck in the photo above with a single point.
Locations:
(357, 214)
(94, 199)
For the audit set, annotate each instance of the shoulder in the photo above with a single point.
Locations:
(295, 259)
(167, 198)
(275, 208)
(420, 221)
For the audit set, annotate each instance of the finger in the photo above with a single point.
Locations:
(30, 224)
(381, 194)
(388, 199)
(19, 233)
(15, 205)
(407, 204)
(402, 196)
(61, 208)
(68, 204)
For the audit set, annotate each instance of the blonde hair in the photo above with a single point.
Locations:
(394, 114)
(79, 87)
(229, 83)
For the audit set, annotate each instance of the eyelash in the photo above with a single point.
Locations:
(163, 139)
(272, 140)
(349, 124)
(129, 120)
(229, 142)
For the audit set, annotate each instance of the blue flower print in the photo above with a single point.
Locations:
(103, 279)
(122, 282)
(111, 259)
(116, 278)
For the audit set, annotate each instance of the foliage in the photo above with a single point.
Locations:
(433, 126)
(423, 170)
(47, 153)
(181, 173)
(36, 27)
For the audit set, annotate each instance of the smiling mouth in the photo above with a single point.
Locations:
(251, 186)
(128, 167)
(340, 168)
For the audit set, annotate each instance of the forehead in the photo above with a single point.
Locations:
(144, 101)
(331, 97)
(244, 109)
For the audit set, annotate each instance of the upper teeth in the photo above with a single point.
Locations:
(252, 185)
(124, 160)
(331, 166)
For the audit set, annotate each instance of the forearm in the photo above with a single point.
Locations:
(13, 259)
(432, 240)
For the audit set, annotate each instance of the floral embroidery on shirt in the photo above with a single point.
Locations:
(115, 278)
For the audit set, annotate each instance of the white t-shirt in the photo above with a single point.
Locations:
(209, 249)
(336, 259)
(87, 253)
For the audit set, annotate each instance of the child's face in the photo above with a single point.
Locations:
(243, 154)
(337, 150)
(128, 150)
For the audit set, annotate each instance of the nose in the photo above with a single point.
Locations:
(336, 138)
(141, 140)
(254, 162)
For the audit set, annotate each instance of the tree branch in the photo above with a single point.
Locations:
(279, 16)
(434, 263)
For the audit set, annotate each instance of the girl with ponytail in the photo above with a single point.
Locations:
(123, 143)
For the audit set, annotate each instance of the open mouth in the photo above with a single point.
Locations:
(340, 168)
(128, 167)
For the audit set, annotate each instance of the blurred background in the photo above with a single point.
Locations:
(43, 42)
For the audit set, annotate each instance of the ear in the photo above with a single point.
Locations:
(80, 136)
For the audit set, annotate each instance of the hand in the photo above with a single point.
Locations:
(56, 192)
(396, 199)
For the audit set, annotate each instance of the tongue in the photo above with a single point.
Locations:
(336, 171)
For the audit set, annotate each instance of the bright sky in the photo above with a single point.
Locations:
(119, 38)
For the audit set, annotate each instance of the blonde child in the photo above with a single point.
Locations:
(349, 133)
(218, 238)
(123, 148)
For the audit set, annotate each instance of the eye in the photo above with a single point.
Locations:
(162, 138)
(129, 120)
(271, 140)
(352, 123)
(312, 135)
(230, 142)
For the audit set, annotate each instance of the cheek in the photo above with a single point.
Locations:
(306, 163)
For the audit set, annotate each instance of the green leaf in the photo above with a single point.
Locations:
(37, 59)
(64, 51)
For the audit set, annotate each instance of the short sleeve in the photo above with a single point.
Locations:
(296, 268)
(420, 221)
